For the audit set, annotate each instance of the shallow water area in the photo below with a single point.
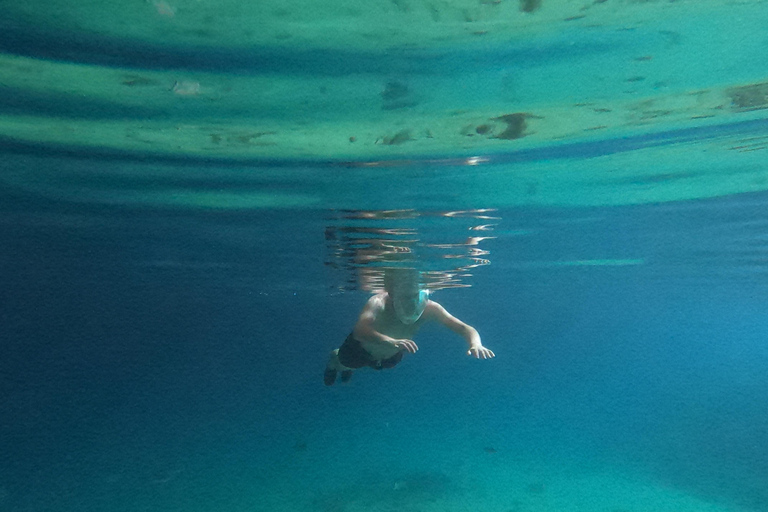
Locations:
(519, 93)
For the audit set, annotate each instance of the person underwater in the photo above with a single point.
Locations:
(388, 322)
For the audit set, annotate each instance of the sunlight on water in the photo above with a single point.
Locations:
(444, 246)
(602, 99)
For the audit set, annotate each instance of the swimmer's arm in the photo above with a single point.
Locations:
(476, 349)
(364, 330)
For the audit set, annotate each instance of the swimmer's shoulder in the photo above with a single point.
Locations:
(433, 310)
(377, 301)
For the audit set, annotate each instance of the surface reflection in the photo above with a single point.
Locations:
(445, 245)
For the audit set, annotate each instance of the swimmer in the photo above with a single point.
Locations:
(387, 324)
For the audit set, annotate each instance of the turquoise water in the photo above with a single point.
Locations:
(158, 360)
(197, 199)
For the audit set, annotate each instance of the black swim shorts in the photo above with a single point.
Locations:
(353, 355)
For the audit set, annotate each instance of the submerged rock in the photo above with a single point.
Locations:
(530, 5)
(398, 138)
(516, 125)
(397, 95)
(749, 97)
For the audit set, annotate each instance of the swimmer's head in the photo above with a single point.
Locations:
(408, 298)
(409, 307)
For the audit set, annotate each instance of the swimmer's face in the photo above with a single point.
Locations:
(410, 305)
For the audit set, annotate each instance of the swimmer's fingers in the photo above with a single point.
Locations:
(481, 353)
(408, 345)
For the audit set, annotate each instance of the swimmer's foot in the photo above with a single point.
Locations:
(332, 368)
(346, 375)
(329, 377)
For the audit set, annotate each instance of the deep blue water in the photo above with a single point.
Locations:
(172, 360)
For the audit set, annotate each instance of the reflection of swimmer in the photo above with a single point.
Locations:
(388, 322)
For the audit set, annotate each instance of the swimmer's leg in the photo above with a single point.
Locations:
(333, 367)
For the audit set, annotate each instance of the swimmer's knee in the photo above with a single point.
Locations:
(334, 363)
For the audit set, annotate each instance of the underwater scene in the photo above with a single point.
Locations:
(392, 256)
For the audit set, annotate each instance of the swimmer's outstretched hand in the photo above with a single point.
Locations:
(480, 353)
(407, 345)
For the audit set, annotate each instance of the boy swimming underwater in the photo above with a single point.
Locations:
(387, 324)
